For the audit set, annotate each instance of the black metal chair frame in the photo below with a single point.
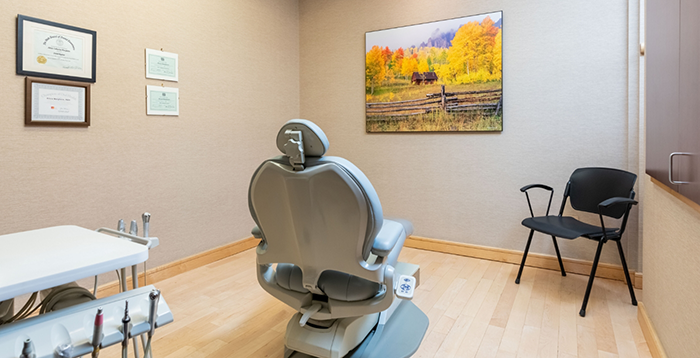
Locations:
(602, 237)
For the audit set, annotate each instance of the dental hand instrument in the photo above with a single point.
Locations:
(134, 229)
(27, 349)
(126, 330)
(97, 333)
(122, 228)
(64, 350)
(146, 217)
(153, 298)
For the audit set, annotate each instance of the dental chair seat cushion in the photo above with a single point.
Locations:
(336, 285)
(343, 287)
(289, 277)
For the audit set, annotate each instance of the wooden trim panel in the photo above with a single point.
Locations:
(183, 265)
(582, 267)
(482, 252)
(655, 347)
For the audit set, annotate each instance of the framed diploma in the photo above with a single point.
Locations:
(162, 101)
(52, 50)
(161, 65)
(57, 103)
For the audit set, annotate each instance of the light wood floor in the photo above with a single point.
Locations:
(474, 306)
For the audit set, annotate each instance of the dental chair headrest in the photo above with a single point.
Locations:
(300, 138)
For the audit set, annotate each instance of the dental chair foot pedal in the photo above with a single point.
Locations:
(406, 287)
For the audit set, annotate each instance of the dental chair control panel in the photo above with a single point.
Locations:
(327, 251)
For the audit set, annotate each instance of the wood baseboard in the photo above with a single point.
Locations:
(638, 280)
(482, 252)
(183, 265)
(655, 347)
(582, 267)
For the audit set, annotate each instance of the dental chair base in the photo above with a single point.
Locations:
(399, 337)
(393, 333)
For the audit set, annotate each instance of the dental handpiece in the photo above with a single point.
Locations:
(126, 326)
(27, 349)
(97, 333)
(134, 228)
(153, 297)
(146, 217)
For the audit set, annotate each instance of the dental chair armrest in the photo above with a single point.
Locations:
(387, 238)
(256, 233)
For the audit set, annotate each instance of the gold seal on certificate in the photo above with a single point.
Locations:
(52, 50)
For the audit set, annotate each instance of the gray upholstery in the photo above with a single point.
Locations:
(387, 238)
(320, 222)
(336, 285)
(343, 287)
(289, 277)
(315, 141)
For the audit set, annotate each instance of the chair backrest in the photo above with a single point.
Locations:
(588, 187)
(319, 213)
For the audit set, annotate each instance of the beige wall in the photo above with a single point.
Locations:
(671, 266)
(566, 102)
(239, 81)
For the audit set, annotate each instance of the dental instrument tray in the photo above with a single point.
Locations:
(62, 254)
(74, 325)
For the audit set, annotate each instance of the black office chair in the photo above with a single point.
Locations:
(603, 191)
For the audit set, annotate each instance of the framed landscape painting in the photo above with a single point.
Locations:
(443, 76)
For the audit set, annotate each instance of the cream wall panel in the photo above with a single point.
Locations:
(565, 106)
(671, 264)
(239, 81)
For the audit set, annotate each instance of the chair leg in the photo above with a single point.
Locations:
(627, 273)
(522, 264)
(556, 248)
(582, 313)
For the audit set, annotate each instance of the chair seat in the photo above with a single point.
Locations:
(566, 227)
(336, 285)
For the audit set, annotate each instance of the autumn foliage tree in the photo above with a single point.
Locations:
(474, 56)
(375, 68)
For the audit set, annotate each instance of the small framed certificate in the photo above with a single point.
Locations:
(162, 101)
(52, 50)
(161, 65)
(56, 103)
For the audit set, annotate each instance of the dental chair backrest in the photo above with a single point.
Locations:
(319, 213)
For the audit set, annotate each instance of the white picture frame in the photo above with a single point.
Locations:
(161, 65)
(162, 101)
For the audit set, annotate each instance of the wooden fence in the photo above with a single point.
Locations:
(486, 101)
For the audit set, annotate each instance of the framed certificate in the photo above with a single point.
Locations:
(52, 50)
(161, 65)
(162, 101)
(57, 103)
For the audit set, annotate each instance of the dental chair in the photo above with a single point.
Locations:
(320, 221)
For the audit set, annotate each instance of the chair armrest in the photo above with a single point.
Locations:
(541, 186)
(609, 202)
(256, 232)
(615, 201)
(387, 238)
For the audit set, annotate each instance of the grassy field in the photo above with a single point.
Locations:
(437, 121)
